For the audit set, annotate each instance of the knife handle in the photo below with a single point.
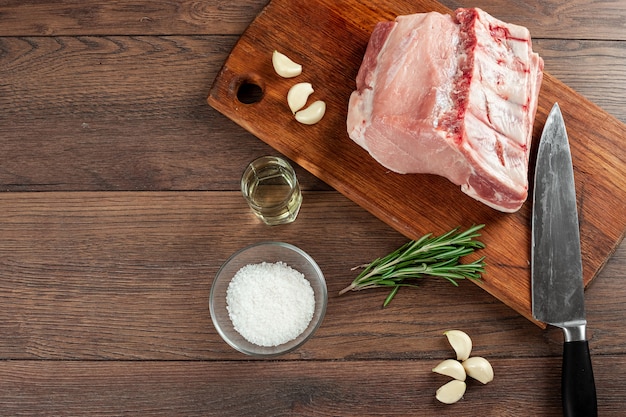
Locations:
(577, 384)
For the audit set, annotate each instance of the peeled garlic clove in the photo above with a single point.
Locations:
(460, 342)
(284, 66)
(478, 368)
(451, 368)
(298, 95)
(451, 392)
(312, 114)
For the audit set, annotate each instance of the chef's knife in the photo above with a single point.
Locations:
(557, 281)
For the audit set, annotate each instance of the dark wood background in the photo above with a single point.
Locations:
(119, 200)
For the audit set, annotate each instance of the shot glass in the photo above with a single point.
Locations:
(270, 187)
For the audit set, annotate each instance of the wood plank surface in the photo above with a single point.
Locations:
(330, 47)
(592, 19)
(80, 17)
(119, 199)
(50, 107)
(122, 275)
(314, 388)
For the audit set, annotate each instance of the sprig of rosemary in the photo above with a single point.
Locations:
(428, 256)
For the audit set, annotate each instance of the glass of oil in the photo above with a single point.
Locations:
(270, 187)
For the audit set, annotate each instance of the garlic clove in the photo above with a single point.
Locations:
(460, 342)
(452, 368)
(478, 368)
(312, 114)
(451, 392)
(284, 66)
(298, 95)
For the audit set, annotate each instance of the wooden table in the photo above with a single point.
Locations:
(120, 199)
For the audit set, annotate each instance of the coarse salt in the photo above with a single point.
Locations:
(270, 303)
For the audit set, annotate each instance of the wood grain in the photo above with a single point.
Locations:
(596, 66)
(119, 199)
(315, 388)
(122, 275)
(331, 47)
(92, 276)
(593, 19)
(77, 17)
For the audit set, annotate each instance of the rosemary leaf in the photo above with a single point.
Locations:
(428, 256)
(391, 295)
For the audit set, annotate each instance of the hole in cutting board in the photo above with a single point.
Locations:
(249, 91)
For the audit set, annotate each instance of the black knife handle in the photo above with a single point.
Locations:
(577, 384)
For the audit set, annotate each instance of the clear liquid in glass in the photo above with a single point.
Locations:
(270, 187)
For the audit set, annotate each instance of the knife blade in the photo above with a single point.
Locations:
(556, 266)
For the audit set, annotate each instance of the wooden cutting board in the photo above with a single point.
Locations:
(329, 39)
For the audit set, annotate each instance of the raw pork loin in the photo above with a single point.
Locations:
(456, 98)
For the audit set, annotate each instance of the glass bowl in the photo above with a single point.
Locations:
(270, 252)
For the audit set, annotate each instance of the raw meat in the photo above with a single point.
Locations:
(455, 97)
